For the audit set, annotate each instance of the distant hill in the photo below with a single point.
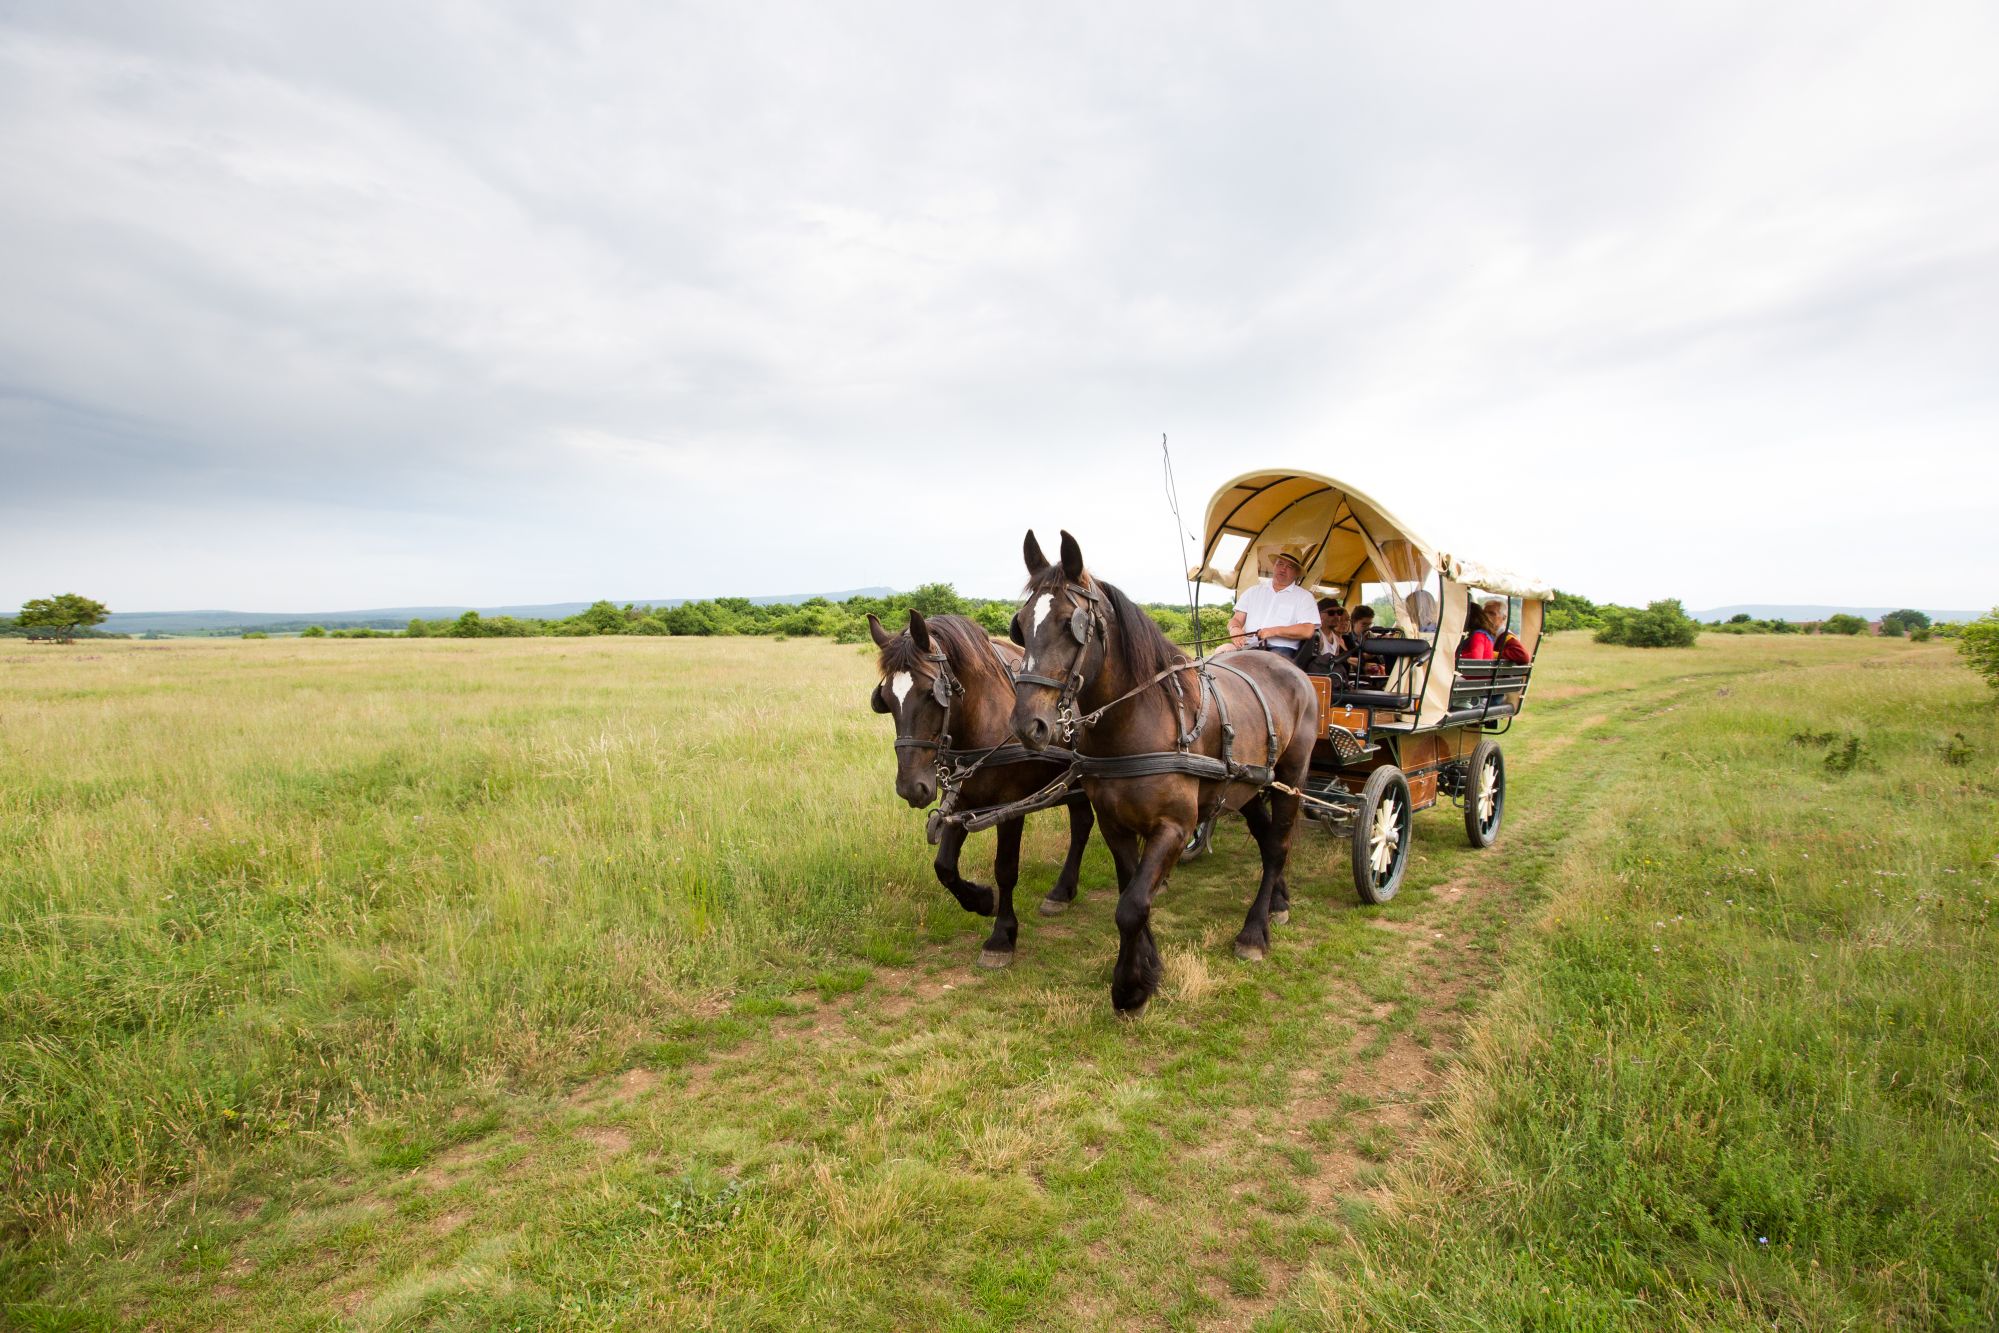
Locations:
(1771, 611)
(395, 617)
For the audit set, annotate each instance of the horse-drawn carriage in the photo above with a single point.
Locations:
(1423, 726)
(1091, 698)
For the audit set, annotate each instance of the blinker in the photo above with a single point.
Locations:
(1013, 632)
(876, 702)
(1079, 624)
(940, 690)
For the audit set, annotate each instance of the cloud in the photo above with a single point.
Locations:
(505, 304)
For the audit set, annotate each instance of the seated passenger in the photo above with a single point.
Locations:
(1476, 645)
(1368, 672)
(1325, 653)
(1489, 640)
(1423, 607)
(1277, 614)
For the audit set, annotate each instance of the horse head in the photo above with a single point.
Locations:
(916, 689)
(1062, 631)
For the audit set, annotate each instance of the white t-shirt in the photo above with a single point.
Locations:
(1265, 607)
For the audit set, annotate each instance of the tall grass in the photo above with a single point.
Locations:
(307, 948)
(247, 887)
(1745, 1075)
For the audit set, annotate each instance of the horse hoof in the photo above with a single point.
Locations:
(994, 959)
(1054, 906)
(1282, 918)
(1249, 953)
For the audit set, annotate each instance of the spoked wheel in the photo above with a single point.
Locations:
(1485, 793)
(1381, 835)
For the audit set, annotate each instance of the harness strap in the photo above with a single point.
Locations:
(999, 756)
(1158, 762)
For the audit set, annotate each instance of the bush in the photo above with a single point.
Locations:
(1566, 610)
(1843, 624)
(1662, 624)
(255, 634)
(1899, 622)
(1979, 642)
(312, 632)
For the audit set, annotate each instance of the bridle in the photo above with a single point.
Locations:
(1086, 627)
(945, 690)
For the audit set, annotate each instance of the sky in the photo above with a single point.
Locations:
(333, 306)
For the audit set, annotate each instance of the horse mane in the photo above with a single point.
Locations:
(963, 641)
(1140, 642)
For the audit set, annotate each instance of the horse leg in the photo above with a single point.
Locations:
(1136, 977)
(975, 898)
(1271, 819)
(1081, 819)
(1124, 850)
(998, 951)
(1280, 895)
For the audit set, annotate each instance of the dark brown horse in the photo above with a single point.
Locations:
(948, 684)
(1088, 647)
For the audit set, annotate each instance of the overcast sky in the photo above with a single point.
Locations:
(315, 307)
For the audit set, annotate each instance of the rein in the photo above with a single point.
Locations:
(1086, 624)
(956, 767)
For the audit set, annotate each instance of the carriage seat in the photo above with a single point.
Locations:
(1395, 647)
(1479, 713)
(1379, 700)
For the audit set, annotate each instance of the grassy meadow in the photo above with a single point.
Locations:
(603, 983)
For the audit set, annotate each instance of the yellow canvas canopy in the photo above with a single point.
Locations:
(1348, 540)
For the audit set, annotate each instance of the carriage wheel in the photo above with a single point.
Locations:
(1485, 793)
(1381, 835)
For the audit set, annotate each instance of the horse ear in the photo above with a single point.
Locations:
(1072, 559)
(1031, 550)
(919, 631)
(881, 635)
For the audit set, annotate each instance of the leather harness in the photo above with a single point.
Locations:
(1087, 628)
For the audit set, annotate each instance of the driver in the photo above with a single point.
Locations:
(1277, 614)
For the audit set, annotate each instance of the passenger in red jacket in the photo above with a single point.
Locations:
(1489, 638)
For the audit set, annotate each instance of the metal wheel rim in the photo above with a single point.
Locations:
(1385, 838)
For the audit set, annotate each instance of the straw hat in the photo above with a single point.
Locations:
(1291, 553)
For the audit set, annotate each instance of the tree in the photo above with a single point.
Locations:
(313, 632)
(1843, 624)
(1662, 624)
(1979, 642)
(65, 615)
(1898, 623)
(603, 618)
(1566, 610)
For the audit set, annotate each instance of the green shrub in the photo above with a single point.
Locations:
(313, 632)
(1979, 642)
(1843, 624)
(255, 634)
(1567, 610)
(1899, 622)
(1662, 624)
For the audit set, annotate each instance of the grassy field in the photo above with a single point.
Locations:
(603, 983)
